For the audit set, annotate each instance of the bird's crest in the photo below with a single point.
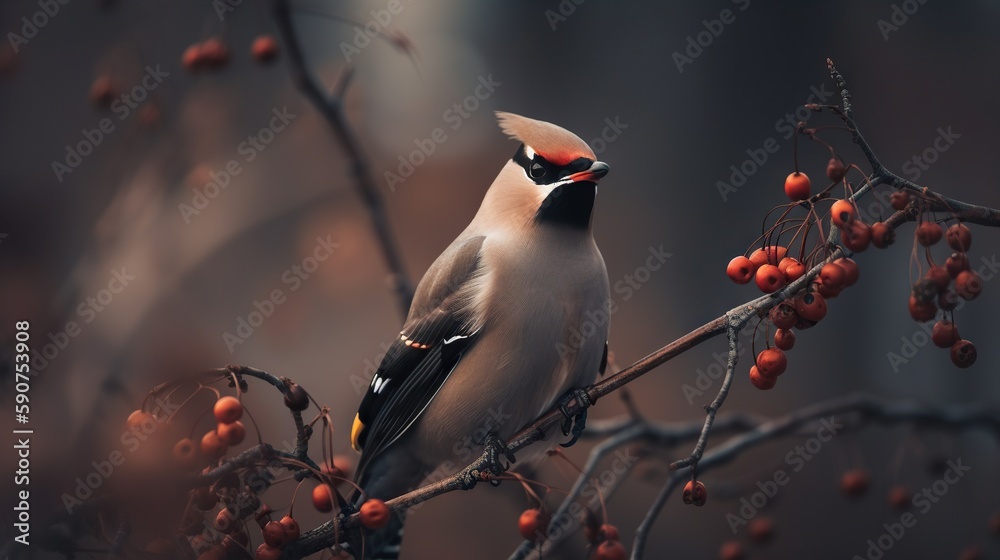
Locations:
(554, 143)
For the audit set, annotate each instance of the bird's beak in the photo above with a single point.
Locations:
(597, 170)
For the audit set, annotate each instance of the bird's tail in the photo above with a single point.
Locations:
(388, 476)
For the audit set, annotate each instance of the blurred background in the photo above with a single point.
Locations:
(670, 116)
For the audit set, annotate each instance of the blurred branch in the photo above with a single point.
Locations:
(331, 107)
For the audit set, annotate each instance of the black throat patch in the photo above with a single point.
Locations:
(569, 205)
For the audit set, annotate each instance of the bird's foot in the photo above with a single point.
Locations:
(495, 447)
(574, 423)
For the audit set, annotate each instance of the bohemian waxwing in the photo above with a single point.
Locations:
(510, 320)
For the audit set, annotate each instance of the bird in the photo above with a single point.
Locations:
(509, 321)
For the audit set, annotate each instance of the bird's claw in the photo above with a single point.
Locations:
(574, 423)
(495, 447)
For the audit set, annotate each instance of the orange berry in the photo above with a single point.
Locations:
(274, 534)
(797, 186)
(856, 236)
(322, 497)
(265, 552)
(921, 311)
(228, 410)
(929, 233)
(968, 284)
(193, 57)
(761, 529)
(769, 278)
(963, 353)
(264, 48)
(212, 446)
(740, 270)
(851, 268)
(959, 237)
(783, 315)
(843, 212)
(138, 418)
(610, 550)
(899, 200)
(794, 271)
(695, 493)
(185, 453)
(833, 276)
(771, 362)
(945, 334)
(214, 52)
(761, 382)
(811, 307)
(771, 254)
(532, 524)
(374, 513)
(732, 550)
(899, 498)
(882, 235)
(231, 434)
(784, 339)
(103, 91)
(291, 526)
(855, 482)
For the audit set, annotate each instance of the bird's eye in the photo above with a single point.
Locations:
(537, 170)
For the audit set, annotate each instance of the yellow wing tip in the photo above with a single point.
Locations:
(356, 432)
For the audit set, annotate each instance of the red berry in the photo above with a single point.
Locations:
(771, 362)
(783, 315)
(769, 278)
(228, 410)
(945, 334)
(854, 483)
(265, 552)
(103, 91)
(291, 526)
(274, 534)
(948, 300)
(794, 271)
(533, 524)
(899, 498)
(959, 237)
(784, 339)
(882, 235)
(296, 398)
(193, 57)
(185, 453)
(610, 550)
(835, 170)
(771, 254)
(732, 550)
(231, 434)
(968, 284)
(214, 52)
(695, 493)
(797, 186)
(322, 498)
(963, 353)
(834, 277)
(851, 268)
(761, 529)
(939, 276)
(956, 263)
(899, 200)
(823, 290)
(929, 233)
(921, 311)
(784, 263)
(374, 513)
(740, 270)
(761, 382)
(212, 446)
(811, 307)
(203, 498)
(843, 212)
(264, 48)
(856, 236)
(609, 532)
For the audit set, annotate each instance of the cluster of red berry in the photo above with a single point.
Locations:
(604, 538)
(212, 53)
(760, 530)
